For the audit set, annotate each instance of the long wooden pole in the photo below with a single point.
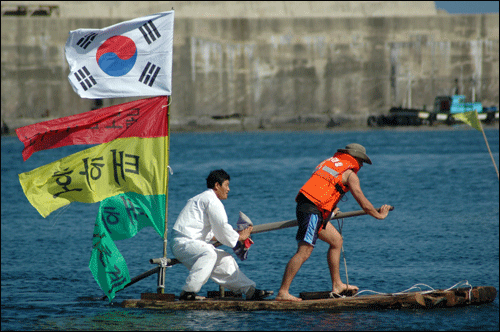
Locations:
(489, 150)
(161, 273)
(291, 223)
(167, 158)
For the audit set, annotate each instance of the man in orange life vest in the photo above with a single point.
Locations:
(316, 202)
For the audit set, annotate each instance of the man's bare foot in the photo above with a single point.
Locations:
(345, 290)
(285, 296)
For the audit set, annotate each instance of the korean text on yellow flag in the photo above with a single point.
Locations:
(89, 176)
(470, 118)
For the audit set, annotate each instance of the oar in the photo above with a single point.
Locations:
(287, 224)
(256, 229)
(291, 223)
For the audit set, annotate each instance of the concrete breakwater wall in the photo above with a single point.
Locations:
(265, 72)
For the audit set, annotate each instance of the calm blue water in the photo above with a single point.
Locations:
(444, 229)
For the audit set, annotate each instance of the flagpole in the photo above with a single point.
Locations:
(161, 272)
(472, 119)
(166, 185)
(489, 150)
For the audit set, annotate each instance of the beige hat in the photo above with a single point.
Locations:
(356, 150)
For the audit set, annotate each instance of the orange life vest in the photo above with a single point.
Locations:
(325, 187)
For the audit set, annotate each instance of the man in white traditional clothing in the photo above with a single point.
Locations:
(202, 221)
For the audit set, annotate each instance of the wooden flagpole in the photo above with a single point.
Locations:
(476, 124)
(161, 272)
(489, 150)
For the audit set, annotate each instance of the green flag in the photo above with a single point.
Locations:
(470, 118)
(121, 217)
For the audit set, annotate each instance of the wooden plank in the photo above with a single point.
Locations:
(428, 300)
(323, 295)
(158, 297)
(227, 294)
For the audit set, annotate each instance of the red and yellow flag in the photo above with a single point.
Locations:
(140, 118)
(132, 158)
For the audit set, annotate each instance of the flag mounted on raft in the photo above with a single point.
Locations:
(128, 59)
(127, 172)
(132, 159)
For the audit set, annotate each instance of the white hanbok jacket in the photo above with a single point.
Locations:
(203, 218)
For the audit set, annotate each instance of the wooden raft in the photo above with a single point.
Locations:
(435, 299)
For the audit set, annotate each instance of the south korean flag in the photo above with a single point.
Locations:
(128, 59)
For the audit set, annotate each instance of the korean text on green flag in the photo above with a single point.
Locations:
(121, 217)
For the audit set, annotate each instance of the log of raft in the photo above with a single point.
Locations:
(411, 300)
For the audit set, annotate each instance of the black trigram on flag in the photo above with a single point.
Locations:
(85, 78)
(149, 74)
(85, 41)
(149, 32)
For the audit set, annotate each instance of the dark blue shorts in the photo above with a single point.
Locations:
(309, 225)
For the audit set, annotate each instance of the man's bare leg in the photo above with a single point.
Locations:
(303, 252)
(331, 236)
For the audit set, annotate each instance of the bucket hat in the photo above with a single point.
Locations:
(356, 150)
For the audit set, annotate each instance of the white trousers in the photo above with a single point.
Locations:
(205, 261)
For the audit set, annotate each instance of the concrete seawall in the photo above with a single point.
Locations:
(267, 72)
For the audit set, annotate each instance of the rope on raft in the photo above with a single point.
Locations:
(340, 222)
(416, 286)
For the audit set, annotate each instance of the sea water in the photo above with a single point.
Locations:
(444, 230)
